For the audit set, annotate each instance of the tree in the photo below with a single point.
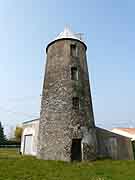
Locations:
(11, 135)
(2, 136)
(18, 133)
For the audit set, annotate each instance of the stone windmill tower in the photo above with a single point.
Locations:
(66, 128)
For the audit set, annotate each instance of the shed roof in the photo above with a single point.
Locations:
(128, 130)
(25, 122)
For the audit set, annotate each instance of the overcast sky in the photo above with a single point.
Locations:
(27, 26)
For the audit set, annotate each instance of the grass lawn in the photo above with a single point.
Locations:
(16, 167)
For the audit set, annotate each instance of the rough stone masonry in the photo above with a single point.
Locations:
(66, 127)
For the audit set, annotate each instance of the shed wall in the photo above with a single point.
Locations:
(111, 145)
(30, 128)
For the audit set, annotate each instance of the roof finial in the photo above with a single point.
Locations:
(67, 29)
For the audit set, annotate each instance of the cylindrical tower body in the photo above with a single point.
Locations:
(66, 128)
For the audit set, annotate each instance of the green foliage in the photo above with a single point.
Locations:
(18, 133)
(15, 167)
(2, 136)
(12, 142)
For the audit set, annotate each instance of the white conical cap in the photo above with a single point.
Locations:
(67, 33)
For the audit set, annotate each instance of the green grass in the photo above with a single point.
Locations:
(16, 167)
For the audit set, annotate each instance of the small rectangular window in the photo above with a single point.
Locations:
(76, 103)
(74, 73)
(73, 50)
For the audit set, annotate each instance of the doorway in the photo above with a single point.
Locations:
(28, 144)
(76, 154)
(133, 146)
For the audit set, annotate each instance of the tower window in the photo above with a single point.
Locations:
(75, 103)
(73, 50)
(74, 73)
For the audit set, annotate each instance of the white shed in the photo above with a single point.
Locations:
(30, 137)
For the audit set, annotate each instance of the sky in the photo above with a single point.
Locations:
(27, 26)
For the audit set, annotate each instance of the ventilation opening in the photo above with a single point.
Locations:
(75, 102)
(76, 154)
(73, 50)
(74, 73)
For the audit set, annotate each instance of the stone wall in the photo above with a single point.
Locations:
(59, 122)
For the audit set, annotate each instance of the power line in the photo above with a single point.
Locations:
(15, 112)
(26, 98)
